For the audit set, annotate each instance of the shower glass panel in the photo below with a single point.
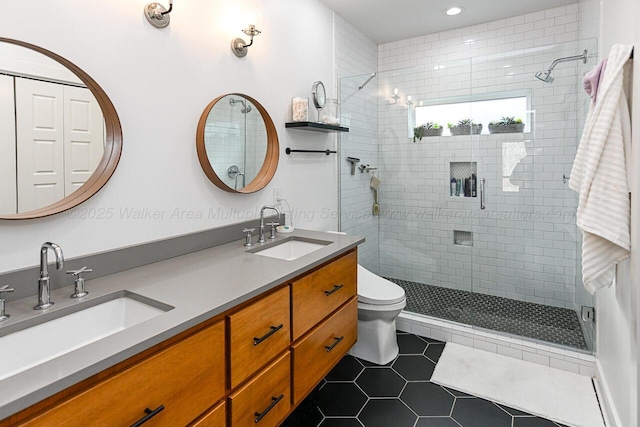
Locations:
(505, 256)
(526, 247)
(359, 112)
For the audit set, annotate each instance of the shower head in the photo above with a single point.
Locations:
(545, 76)
(245, 108)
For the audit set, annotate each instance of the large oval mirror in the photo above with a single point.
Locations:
(237, 144)
(60, 136)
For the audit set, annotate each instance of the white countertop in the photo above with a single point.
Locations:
(200, 285)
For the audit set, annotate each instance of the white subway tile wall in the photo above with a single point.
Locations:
(525, 243)
(356, 59)
(235, 138)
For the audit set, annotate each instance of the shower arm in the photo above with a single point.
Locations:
(582, 57)
(368, 80)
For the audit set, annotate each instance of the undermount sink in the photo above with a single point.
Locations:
(291, 248)
(34, 341)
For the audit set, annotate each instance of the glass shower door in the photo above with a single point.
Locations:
(525, 241)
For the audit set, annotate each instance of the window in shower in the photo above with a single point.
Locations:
(481, 108)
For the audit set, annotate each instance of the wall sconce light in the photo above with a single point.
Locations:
(409, 100)
(395, 95)
(157, 15)
(238, 45)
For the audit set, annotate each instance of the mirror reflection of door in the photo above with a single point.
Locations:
(59, 140)
(8, 193)
(51, 135)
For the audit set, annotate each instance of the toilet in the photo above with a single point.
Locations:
(379, 304)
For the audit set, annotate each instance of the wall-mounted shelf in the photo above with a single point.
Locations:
(315, 127)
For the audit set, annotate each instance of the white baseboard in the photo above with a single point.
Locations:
(611, 418)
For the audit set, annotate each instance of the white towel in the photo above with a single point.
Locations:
(599, 175)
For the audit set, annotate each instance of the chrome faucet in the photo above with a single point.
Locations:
(44, 283)
(261, 235)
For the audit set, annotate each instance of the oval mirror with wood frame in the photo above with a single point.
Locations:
(60, 135)
(237, 144)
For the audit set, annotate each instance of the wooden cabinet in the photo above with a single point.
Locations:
(249, 368)
(258, 333)
(172, 378)
(319, 351)
(266, 399)
(318, 294)
(216, 417)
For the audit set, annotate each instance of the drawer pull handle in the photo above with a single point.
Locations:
(335, 288)
(332, 346)
(260, 415)
(273, 330)
(150, 414)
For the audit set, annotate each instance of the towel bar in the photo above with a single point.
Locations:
(327, 152)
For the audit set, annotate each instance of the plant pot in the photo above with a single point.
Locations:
(513, 128)
(466, 130)
(422, 132)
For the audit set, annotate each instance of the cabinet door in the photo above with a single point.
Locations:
(318, 294)
(8, 201)
(216, 417)
(40, 149)
(319, 351)
(266, 399)
(258, 333)
(186, 379)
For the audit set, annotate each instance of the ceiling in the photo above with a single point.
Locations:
(385, 21)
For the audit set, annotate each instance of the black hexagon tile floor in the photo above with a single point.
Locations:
(357, 393)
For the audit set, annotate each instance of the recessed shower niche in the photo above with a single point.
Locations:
(462, 238)
(463, 179)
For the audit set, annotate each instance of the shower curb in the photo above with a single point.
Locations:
(578, 362)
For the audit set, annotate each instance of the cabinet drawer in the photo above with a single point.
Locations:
(171, 378)
(266, 399)
(318, 352)
(258, 333)
(216, 417)
(318, 294)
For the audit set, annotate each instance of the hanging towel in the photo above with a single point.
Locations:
(593, 78)
(599, 176)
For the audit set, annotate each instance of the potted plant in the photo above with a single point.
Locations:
(427, 129)
(507, 125)
(465, 127)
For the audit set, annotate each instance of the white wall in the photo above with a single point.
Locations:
(160, 81)
(618, 308)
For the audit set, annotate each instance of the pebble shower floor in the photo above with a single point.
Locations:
(542, 322)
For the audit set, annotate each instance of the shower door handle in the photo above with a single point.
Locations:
(482, 206)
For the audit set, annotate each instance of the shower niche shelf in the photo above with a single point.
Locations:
(462, 171)
(462, 238)
(315, 127)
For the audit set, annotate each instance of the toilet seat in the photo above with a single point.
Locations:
(374, 290)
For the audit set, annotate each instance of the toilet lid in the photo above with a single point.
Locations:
(373, 289)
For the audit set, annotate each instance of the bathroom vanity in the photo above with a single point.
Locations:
(247, 339)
